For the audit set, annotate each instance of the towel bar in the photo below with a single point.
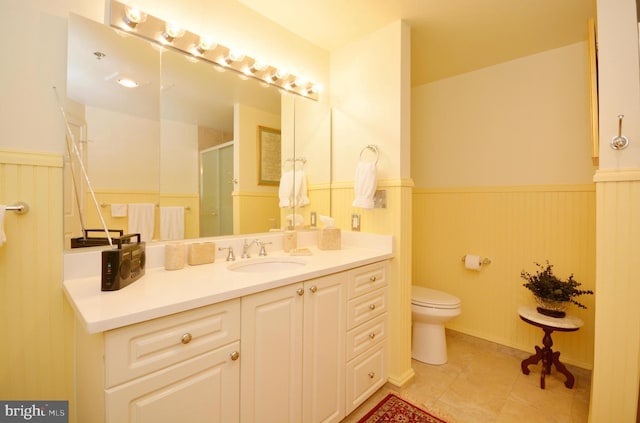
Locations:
(103, 205)
(373, 148)
(20, 208)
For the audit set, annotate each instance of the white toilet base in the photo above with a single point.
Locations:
(433, 348)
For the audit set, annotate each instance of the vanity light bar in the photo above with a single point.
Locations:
(166, 34)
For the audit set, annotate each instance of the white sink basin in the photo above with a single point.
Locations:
(266, 265)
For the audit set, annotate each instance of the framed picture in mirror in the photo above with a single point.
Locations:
(269, 156)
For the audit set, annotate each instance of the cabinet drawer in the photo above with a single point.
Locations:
(136, 350)
(204, 388)
(365, 375)
(365, 307)
(366, 336)
(366, 279)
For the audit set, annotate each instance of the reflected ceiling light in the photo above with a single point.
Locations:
(172, 31)
(133, 16)
(128, 82)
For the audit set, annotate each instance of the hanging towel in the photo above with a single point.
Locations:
(142, 220)
(171, 223)
(365, 185)
(3, 238)
(300, 196)
(285, 190)
(118, 210)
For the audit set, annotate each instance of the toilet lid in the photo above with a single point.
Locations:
(428, 297)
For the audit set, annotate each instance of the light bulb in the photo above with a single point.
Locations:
(133, 16)
(205, 44)
(172, 31)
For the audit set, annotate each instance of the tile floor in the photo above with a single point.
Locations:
(482, 383)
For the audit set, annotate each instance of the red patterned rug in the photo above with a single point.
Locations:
(395, 409)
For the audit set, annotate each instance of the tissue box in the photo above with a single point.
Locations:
(201, 253)
(329, 239)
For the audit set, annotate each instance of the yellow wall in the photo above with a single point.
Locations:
(36, 352)
(514, 227)
(255, 212)
(616, 366)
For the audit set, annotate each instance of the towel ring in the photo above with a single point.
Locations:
(372, 148)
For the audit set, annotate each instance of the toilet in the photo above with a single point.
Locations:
(430, 310)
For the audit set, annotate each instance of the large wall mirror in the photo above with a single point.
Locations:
(186, 136)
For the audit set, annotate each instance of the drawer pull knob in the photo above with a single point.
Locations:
(234, 355)
(186, 338)
(372, 278)
(372, 307)
(372, 335)
(300, 291)
(372, 375)
(313, 289)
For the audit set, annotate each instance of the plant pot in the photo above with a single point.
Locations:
(552, 308)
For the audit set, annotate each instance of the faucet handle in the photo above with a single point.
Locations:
(245, 250)
(263, 251)
(230, 255)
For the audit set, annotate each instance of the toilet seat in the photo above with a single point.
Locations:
(427, 297)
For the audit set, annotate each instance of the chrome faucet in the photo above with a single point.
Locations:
(230, 255)
(247, 245)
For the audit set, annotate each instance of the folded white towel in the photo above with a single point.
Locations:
(142, 220)
(118, 210)
(3, 237)
(171, 223)
(365, 185)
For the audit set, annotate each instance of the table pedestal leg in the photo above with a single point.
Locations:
(548, 357)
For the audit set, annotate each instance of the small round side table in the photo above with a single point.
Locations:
(546, 354)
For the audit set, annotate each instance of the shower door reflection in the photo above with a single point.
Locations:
(216, 187)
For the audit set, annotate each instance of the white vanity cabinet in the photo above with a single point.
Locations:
(308, 351)
(293, 352)
(182, 367)
(367, 332)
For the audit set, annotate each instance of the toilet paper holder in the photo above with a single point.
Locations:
(484, 260)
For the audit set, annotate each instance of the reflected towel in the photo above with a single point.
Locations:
(142, 220)
(118, 210)
(3, 237)
(365, 185)
(300, 187)
(293, 189)
(171, 223)
(285, 190)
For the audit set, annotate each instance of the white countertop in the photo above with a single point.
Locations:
(161, 292)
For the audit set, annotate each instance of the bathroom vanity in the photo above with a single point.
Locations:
(229, 342)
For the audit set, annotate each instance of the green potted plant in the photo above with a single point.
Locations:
(552, 294)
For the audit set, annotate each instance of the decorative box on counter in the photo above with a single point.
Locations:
(329, 239)
(201, 253)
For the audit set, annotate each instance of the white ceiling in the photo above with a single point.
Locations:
(449, 37)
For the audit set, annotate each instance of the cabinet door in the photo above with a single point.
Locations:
(199, 390)
(271, 339)
(324, 350)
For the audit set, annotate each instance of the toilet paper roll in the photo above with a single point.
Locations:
(473, 262)
(174, 256)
